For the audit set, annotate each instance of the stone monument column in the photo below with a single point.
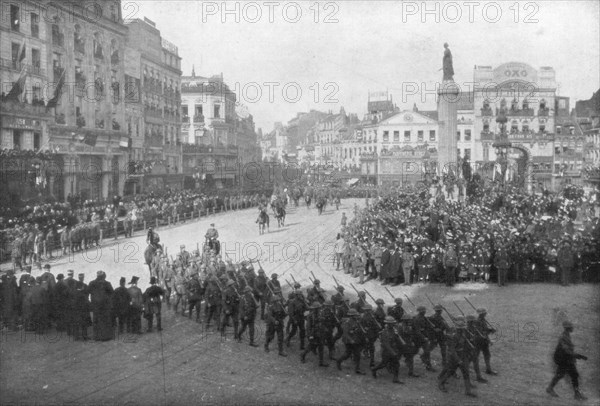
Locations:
(448, 96)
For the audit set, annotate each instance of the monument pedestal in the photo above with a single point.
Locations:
(448, 96)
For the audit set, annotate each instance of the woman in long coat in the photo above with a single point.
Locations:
(101, 292)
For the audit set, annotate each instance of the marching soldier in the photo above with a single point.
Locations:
(274, 318)
(565, 358)
(372, 329)
(316, 293)
(296, 307)
(316, 333)
(440, 328)
(379, 312)
(248, 315)
(194, 289)
(478, 342)
(397, 312)
(485, 330)
(261, 291)
(391, 345)
(360, 303)
(231, 303)
(458, 357)
(410, 349)
(213, 301)
(184, 256)
(354, 340)
(423, 331)
(329, 322)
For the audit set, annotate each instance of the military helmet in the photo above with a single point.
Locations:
(379, 301)
(389, 320)
(398, 300)
(567, 324)
(438, 308)
(297, 285)
(352, 312)
(315, 305)
(421, 309)
(481, 310)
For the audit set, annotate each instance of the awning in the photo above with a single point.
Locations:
(352, 181)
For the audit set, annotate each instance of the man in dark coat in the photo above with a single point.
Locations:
(354, 339)
(395, 266)
(9, 298)
(565, 358)
(152, 304)
(316, 334)
(566, 262)
(247, 312)
(101, 295)
(121, 300)
(391, 343)
(39, 303)
(134, 321)
(60, 304)
(386, 258)
(81, 309)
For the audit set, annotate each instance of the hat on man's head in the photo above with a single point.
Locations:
(274, 275)
(122, 280)
(567, 324)
(47, 266)
(438, 308)
(134, 279)
(60, 276)
(481, 310)
(389, 320)
(70, 272)
(316, 282)
(153, 280)
(212, 224)
(339, 288)
(352, 312)
(99, 273)
(421, 309)
(398, 300)
(379, 301)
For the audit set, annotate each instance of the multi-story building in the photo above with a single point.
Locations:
(209, 125)
(160, 97)
(82, 57)
(587, 114)
(525, 98)
(569, 140)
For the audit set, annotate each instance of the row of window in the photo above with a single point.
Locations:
(407, 136)
(199, 111)
(15, 21)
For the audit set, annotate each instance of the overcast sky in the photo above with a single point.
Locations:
(371, 46)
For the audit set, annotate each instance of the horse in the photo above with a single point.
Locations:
(321, 205)
(149, 256)
(213, 244)
(280, 216)
(262, 220)
(307, 199)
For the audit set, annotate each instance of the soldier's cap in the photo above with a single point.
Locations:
(379, 301)
(70, 272)
(481, 310)
(153, 280)
(460, 324)
(261, 270)
(367, 307)
(398, 300)
(567, 324)
(352, 312)
(47, 266)
(362, 294)
(247, 289)
(315, 305)
(134, 279)
(389, 320)
(59, 276)
(438, 308)
(421, 309)
(339, 288)
(274, 275)
(297, 285)
(316, 282)
(471, 317)
(328, 303)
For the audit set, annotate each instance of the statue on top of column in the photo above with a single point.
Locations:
(447, 64)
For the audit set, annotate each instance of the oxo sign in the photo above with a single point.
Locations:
(515, 73)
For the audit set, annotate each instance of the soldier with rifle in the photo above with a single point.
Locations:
(195, 292)
(212, 309)
(354, 337)
(379, 312)
(440, 328)
(296, 307)
(248, 307)
(316, 334)
(372, 328)
(424, 330)
(391, 349)
(316, 292)
(261, 291)
(477, 339)
(329, 321)
(397, 312)
(458, 356)
(275, 317)
(231, 305)
(410, 349)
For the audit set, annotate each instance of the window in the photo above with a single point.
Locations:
(184, 110)
(17, 139)
(467, 135)
(98, 51)
(36, 61)
(35, 25)
(486, 127)
(514, 127)
(15, 48)
(386, 136)
(557, 150)
(406, 136)
(525, 127)
(486, 153)
(562, 104)
(431, 135)
(396, 136)
(558, 129)
(571, 130)
(420, 135)
(37, 92)
(15, 23)
(58, 38)
(457, 135)
(37, 138)
(217, 111)
(467, 154)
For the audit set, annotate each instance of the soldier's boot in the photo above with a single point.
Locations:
(374, 372)
(396, 380)
(149, 330)
(266, 347)
(469, 391)
(301, 344)
(550, 389)
(331, 352)
(303, 356)
(287, 341)
(281, 353)
(488, 368)
(442, 385)
(579, 395)
(338, 363)
(159, 323)
(411, 370)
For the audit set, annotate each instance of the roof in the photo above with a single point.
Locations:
(432, 114)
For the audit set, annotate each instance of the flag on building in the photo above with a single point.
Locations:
(125, 142)
(57, 92)
(19, 85)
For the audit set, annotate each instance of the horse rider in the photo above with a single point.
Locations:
(212, 234)
(153, 238)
